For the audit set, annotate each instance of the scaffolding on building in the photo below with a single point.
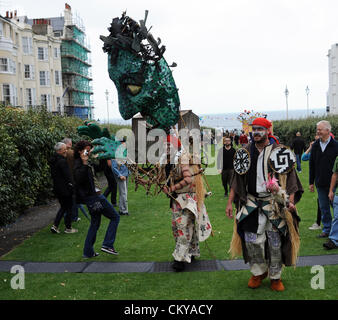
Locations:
(76, 72)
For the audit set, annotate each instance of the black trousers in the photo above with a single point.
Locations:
(112, 188)
(226, 176)
(65, 210)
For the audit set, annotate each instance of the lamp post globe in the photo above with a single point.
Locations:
(286, 98)
(307, 90)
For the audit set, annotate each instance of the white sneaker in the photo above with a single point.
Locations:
(54, 229)
(72, 230)
(315, 226)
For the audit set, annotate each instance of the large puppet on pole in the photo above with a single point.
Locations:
(145, 85)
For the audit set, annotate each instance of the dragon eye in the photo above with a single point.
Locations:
(133, 89)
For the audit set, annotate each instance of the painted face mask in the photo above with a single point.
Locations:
(141, 75)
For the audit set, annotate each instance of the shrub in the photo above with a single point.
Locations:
(286, 129)
(26, 144)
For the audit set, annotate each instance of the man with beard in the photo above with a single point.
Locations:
(263, 232)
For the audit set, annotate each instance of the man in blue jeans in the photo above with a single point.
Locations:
(88, 192)
(323, 155)
(332, 243)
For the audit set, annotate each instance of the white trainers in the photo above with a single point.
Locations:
(315, 226)
(54, 229)
(72, 230)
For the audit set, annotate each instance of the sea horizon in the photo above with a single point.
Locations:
(228, 120)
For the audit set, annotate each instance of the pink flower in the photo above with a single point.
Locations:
(272, 185)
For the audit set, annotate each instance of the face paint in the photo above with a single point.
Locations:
(141, 75)
(259, 133)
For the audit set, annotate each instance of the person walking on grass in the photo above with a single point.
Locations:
(262, 231)
(298, 146)
(70, 159)
(62, 187)
(88, 192)
(323, 155)
(225, 163)
(306, 157)
(121, 173)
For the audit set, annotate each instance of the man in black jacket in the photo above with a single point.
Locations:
(88, 192)
(225, 165)
(63, 187)
(298, 146)
(323, 155)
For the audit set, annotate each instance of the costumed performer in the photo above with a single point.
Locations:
(190, 221)
(266, 223)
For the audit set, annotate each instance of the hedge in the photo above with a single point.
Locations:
(26, 145)
(286, 129)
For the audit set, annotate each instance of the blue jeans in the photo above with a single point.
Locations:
(299, 162)
(98, 205)
(334, 228)
(324, 203)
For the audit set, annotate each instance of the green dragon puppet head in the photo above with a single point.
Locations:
(142, 77)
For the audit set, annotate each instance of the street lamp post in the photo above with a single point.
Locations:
(107, 98)
(287, 107)
(307, 90)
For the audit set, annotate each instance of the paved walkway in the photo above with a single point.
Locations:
(150, 267)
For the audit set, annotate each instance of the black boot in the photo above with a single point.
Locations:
(178, 266)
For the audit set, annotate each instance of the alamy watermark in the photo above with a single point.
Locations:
(18, 281)
(149, 146)
(318, 281)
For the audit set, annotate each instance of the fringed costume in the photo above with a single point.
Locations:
(265, 231)
(190, 221)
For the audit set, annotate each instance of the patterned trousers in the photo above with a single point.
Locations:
(185, 234)
(255, 245)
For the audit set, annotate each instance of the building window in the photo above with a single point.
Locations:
(56, 53)
(58, 104)
(1, 29)
(44, 78)
(6, 94)
(45, 101)
(29, 72)
(4, 65)
(10, 94)
(27, 45)
(58, 78)
(30, 97)
(7, 65)
(43, 54)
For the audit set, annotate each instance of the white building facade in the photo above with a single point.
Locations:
(30, 64)
(332, 94)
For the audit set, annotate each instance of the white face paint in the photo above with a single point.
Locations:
(258, 131)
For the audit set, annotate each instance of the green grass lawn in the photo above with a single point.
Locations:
(145, 235)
